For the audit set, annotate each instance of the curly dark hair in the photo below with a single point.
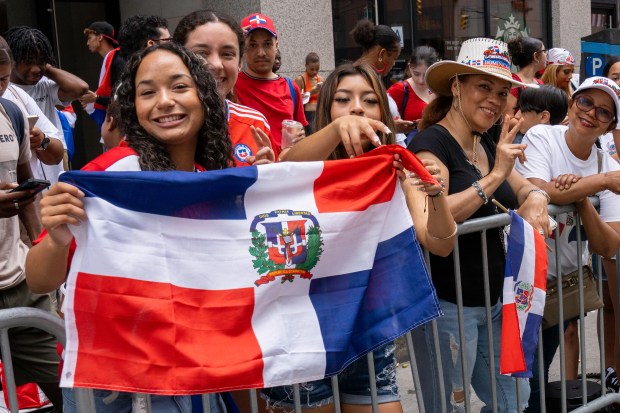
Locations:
(137, 30)
(213, 149)
(29, 45)
(199, 17)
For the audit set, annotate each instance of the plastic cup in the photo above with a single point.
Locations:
(291, 131)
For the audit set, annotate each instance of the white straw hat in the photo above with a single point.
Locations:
(479, 56)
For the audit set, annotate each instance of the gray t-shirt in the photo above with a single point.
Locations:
(12, 250)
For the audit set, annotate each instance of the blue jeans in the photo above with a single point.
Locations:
(120, 402)
(353, 384)
(477, 358)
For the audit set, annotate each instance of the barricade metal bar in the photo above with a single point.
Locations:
(84, 400)
(24, 317)
(253, 400)
(33, 317)
(206, 404)
(442, 385)
(541, 377)
(487, 305)
(414, 372)
(599, 403)
(336, 391)
(9, 375)
(584, 384)
(459, 304)
(373, 382)
(560, 326)
(296, 398)
(601, 323)
(141, 402)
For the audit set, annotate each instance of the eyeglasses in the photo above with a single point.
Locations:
(164, 40)
(586, 104)
(545, 51)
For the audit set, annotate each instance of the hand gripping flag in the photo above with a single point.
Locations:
(186, 283)
(525, 286)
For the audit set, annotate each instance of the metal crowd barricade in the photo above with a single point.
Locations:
(85, 400)
(482, 226)
(23, 317)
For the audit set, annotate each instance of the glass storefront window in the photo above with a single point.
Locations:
(513, 18)
(443, 24)
(345, 15)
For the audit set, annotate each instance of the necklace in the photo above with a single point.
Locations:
(474, 157)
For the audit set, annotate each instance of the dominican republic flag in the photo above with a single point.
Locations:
(187, 283)
(525, 289)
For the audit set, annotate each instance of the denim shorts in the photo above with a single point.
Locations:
(353, 384)
(121, 402)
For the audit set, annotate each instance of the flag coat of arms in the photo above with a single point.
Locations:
(187, 283)
(525, 291)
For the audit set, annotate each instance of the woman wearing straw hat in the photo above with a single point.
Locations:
(472, 96)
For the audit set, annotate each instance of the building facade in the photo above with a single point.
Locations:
(321, 26)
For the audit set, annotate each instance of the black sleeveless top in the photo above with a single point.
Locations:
(437, 140)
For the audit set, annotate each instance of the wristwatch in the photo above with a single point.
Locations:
(44, 143)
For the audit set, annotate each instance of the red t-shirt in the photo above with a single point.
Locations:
(415, 105)
(272, 98)
(515, 90)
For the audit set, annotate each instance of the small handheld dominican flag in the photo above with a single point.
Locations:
(525, 286)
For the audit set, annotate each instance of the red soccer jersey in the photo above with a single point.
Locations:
(240, 118)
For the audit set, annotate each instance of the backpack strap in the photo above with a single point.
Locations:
(16, 117)
(405, 99)
(293, 95)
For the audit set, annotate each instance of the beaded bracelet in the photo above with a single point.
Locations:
(444, 238)
(480, 192)
(442, 184)
(540, 191)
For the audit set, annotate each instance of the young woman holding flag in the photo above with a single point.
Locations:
(173, 119)
(352, 118)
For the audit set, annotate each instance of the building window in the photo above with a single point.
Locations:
(443, 24)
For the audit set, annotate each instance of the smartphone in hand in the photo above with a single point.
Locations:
(37, 184)
(32, 120)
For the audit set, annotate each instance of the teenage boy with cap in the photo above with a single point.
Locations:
(101, 39)
(276, 97)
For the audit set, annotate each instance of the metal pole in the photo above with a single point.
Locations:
(56, 31)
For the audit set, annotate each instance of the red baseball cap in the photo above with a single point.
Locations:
(258, 21)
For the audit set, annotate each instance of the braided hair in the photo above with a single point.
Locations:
(213, 149)
(29, 45)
